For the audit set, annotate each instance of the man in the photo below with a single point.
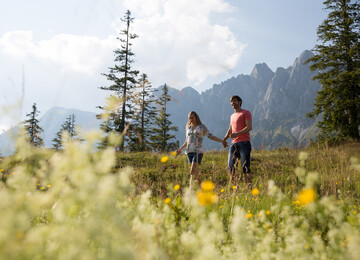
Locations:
(239, 131)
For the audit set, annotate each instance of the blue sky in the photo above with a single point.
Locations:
(53, 52)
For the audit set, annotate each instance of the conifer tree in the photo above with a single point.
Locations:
(32, 128)
(161, 132)
(71, 128)
(123, 79)
(337, 62)
(142, 122)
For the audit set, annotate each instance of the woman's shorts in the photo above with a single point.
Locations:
(195, 157)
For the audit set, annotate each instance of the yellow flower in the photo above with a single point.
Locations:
(167, 200)
(249, 215)
(48, 186)
(42, 188)
(206, 198)
(176, 187)
(268, 212)
(354, 212)
(306, 196)
(173, 153)
(164, 159)
(222, 190)
(234, 187)
(207, 185)
(221, 206)
(2, 170)
(255, 192)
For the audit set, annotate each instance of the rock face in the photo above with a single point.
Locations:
(278, 102)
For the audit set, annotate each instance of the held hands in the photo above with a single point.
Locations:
(224, 143)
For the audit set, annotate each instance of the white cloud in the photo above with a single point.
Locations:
(78, 53)
(178, 44)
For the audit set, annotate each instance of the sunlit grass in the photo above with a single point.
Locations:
(76, 204)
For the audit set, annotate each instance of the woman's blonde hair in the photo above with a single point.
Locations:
(197, 119)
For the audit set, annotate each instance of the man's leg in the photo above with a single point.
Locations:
(232, 161)
(245, 151)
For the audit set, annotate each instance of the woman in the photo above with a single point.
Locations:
(195, 133)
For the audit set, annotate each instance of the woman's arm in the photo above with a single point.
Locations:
(181, 148)
(212, 137)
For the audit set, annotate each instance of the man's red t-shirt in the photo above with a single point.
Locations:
(237, 121)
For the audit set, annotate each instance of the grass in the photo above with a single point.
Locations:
(75, 204)
(336, 177)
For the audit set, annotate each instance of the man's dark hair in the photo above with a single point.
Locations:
(237, 98)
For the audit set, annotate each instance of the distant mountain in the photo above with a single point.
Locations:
(277, 100)
(51, 122)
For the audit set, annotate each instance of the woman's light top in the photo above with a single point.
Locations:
(195, 137)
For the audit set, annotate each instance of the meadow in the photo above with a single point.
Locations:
(80, 204)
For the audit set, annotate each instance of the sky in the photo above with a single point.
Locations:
(53, 53)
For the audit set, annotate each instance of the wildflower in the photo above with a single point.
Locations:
(249, 215)
(164, 159)
(354, 212)
(268, 212)
(221, 206)
(306, 196)
(48, 185)
(167, 200)
(207, 185)
(222, 190)
(2, 170)
(20, 234)
(234, 187)
(303, 156)
(176, 187)
(42, 188)
(173, 153)
(206, 198)
(255, 192)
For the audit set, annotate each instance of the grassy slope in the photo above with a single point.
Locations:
(336, 177)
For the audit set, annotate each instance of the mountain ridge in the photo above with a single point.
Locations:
(277, 100)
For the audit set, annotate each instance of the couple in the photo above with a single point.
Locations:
(239, 131)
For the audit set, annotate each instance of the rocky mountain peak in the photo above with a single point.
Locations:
(262, 70)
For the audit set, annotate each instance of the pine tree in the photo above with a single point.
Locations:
(71, 128)
(123, 79)
(161, 137)
(33, 130)
(337, 62)
(141, 125)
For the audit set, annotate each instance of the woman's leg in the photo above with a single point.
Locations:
(194, 171)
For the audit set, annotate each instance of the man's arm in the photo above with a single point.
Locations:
(246, 129)
(228, 133)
